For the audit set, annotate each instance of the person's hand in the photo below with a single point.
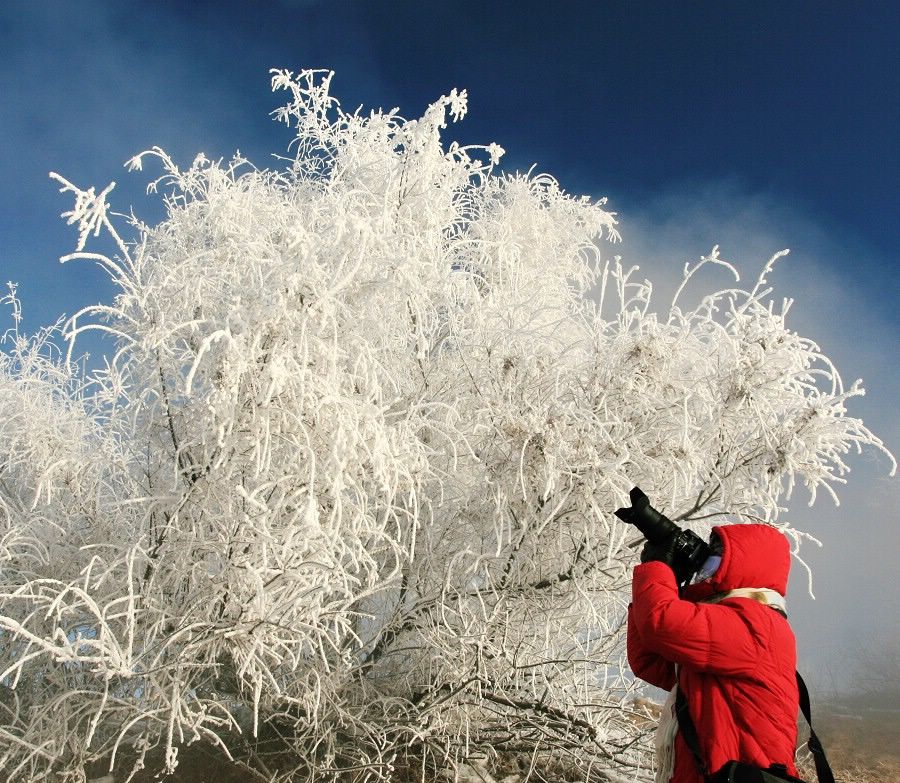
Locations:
(664, 553)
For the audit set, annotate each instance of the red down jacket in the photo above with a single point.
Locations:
(737, 658)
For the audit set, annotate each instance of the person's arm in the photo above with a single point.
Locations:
(649, 666)
(706, 637)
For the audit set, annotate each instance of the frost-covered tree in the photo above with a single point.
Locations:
(339, 504)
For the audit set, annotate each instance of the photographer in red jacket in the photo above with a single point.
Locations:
(724, 642)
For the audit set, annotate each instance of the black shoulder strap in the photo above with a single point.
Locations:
(689, 732)
(823, 768)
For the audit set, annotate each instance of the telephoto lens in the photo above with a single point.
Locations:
(657, 528)
(689, 551)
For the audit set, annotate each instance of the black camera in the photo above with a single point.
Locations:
(689, 550)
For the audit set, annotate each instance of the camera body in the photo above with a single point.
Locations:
(689, 550)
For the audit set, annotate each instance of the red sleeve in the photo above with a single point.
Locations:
(707, 637)
(649, 666)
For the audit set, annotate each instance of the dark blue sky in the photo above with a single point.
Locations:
(796, 100)
(757, 125)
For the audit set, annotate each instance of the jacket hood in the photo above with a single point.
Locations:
(752, 556)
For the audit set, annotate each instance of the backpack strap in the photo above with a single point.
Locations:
(823, 768)
(689, 732)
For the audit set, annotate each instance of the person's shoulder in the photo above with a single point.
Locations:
(763, 619)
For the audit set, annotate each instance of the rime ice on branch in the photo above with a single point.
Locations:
(342, 496)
